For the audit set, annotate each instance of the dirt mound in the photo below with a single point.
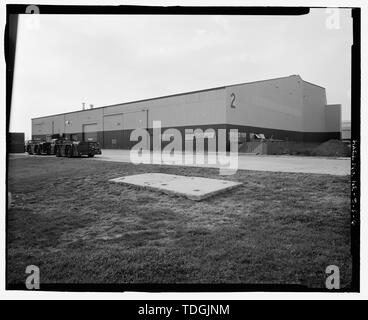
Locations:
(332, 148)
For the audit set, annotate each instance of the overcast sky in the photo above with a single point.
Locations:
(104, 60)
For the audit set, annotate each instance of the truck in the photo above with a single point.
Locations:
(71, 148)
(43, 146)
(38, 147)
(62, 146)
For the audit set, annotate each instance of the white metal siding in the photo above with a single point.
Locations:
(75, 121)
(333, 117)
(113, 122)
(314, 102)
(133, 120)
(200, 108)
(272, 104)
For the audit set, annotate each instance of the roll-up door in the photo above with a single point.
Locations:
(90, 132)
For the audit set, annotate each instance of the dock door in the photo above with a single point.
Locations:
(118, 127)
(90, 132)
(134, 120)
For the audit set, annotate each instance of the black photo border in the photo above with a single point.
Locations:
(13, 10)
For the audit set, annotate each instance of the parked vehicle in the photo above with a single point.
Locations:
(70, 148)
(61, 146)
(38, 147)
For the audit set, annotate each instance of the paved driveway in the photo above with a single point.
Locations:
(318, 165)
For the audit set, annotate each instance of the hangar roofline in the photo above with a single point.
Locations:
(313, 84)
(174, 95)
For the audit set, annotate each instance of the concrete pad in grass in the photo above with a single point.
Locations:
(194, 188)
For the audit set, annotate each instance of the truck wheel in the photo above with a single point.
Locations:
(70, 152)
(57, 152)
(91, 155)
(38, 150)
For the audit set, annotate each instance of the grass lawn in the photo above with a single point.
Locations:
(77, 227)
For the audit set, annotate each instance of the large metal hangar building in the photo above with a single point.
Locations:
(286, 108)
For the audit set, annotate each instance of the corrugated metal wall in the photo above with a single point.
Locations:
(314, 112)
(114, 124)
(285, 108)
(272, 104)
